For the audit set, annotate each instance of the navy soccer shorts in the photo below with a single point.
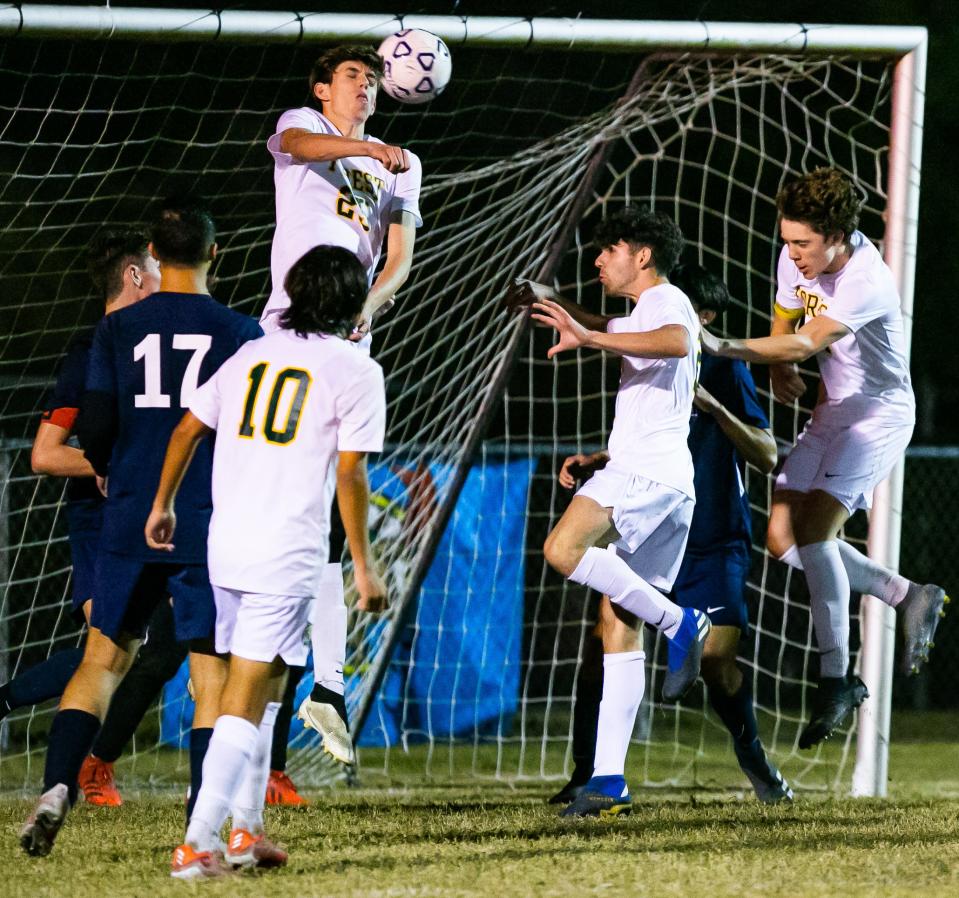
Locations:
(126, 591)
(716, 584)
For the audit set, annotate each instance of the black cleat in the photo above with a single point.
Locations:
(835, 698)
(570, 792)
(593, 801)
(768, 783)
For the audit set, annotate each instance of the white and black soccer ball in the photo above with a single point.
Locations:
(417, 65)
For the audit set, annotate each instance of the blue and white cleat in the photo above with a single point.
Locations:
(602, 796)
(685, 654)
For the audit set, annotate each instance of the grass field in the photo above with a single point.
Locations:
(498, 841)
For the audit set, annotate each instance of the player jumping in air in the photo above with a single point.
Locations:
(146, 363)
(728, 428)
(282, 408)
(836, 299)
(337, 185)
(625, 530)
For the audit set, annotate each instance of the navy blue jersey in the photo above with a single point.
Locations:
(721, 517)
(146, 362)
(61, 407)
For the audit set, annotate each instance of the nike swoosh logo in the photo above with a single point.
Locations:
(717, 608)
(832, 475)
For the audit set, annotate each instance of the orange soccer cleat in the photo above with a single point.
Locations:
(246, 850)
(281, 791)
(188, 863)
(97, 784)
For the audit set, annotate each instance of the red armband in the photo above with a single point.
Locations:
(62, 417)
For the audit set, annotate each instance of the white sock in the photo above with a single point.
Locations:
(624, 681)
(232, 746)
(865, 575)
(829, 604)
(328, 630)
(247, 810)
(609, 575)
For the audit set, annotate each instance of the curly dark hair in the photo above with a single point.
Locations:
(825, 200)
(184, 231)
(327, 287)
(328, 62)
(109, 253)
(643, 227)
(706, 292)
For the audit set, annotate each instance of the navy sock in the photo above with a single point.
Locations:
(71, 736)
(284, 717)
(737, 713)
(41, 682)
(199, 742)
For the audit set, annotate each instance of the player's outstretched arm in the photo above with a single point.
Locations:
(307, 146)
(812, 337)
(522, 293)
(161, 524)
(353, 497)
(667, 342)
(756, 445)
(52, 455)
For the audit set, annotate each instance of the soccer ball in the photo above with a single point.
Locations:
(417, 65)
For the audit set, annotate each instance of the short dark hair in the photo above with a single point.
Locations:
(110, 252)
(327, 287)
(825, 200)
(183, 232)
(705, 290)
(643, 227)
(328, 62)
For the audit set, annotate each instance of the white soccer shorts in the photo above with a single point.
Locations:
(844, 456)
(652, 520)
(262, 627)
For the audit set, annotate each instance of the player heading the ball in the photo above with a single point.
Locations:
(337, 185)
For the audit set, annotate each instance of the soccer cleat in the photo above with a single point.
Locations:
(42, 826)
(281, 791)
(602, 796)
(97, 784)
(921, 610)
(325, 712)
(570, 792)
(685, 654)
(246, 850)
(188, 863)
(768, 783)
(835, 698)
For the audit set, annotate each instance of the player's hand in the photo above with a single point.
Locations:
(705, 401)
(102, 485)
(372, 589)
(580, 467)
(519, 296)
(393, 159)
(360, 330)
(571, 333)
(786, 382)
(159, 530)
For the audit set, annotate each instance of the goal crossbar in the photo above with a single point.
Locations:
(167, 25)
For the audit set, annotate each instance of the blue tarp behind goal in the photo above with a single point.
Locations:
(455, 672)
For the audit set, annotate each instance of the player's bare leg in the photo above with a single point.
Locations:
(731, 697)
(624, 680)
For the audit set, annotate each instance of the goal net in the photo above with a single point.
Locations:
(474, 670)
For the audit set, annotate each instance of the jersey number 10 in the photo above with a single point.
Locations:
(272, 430)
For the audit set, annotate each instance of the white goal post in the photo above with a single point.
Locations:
(904, 45)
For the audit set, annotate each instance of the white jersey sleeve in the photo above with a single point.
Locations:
(292, 118)
(361, 410)
(406, 196)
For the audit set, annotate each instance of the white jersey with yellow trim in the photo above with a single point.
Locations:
(347, 202)
(282, 407)
(655, 397)
(867, 367)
